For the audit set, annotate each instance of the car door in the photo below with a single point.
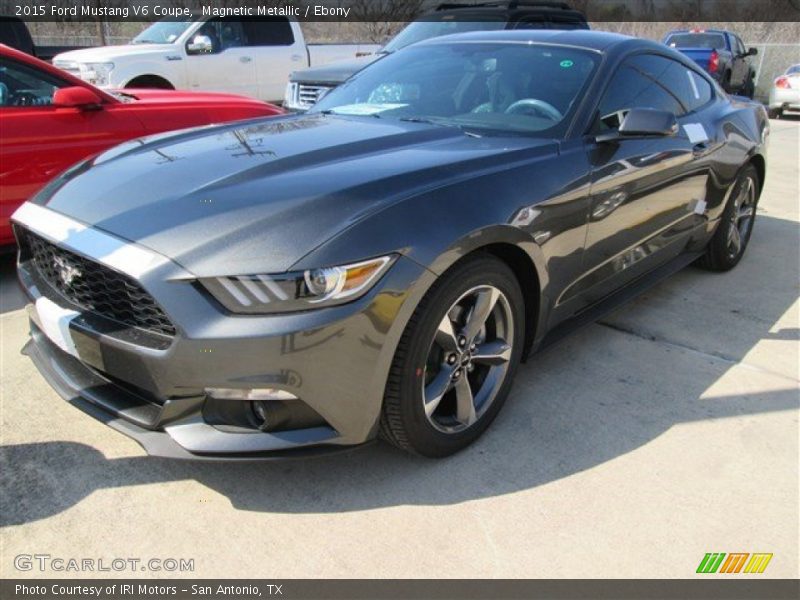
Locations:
(40, 140)
(230, 66)
(645, 193)
(277, 53)
(741, 67)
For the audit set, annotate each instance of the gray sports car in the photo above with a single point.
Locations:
(381, 265)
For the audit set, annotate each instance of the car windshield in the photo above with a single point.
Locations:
(712, 41)
(162, 32)
(424, 30)
(484, 88)
(793, 70)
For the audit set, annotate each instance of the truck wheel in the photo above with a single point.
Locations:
(151, 82)
(749, 88)
(726, 82)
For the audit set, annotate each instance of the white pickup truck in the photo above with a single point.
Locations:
(239, 55)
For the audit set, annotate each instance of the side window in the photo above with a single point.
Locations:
(231, 34)
(701, 90)
(224, 33)
(689, 89)
(636, 84)
(268, 32)
(21, 85)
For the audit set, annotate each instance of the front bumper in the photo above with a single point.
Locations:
(334, 360)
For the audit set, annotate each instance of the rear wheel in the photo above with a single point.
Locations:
(455, 362)
(730, 240)
(775, 113)
(749, 88)
(726, 82)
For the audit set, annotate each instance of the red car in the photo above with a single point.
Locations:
(50, 120)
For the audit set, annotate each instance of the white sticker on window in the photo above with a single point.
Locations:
(696, 133)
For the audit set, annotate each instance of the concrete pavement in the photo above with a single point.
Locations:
(630, 449)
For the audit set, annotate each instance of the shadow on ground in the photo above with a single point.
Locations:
(599, 394)
(11, 295)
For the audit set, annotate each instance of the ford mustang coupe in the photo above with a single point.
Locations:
(381, 265)
(50, 120)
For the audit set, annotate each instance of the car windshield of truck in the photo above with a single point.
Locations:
(423, 30)
(162, 32)
(481, 88)
(712, 41)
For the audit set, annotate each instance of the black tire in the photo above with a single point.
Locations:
(404, 422)
(749, 88)
(726, 83)
(721, 253)
(152, 82)
(775, 113)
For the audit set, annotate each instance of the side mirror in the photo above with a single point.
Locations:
(642, 123)
(201, 44)
(752, 51)
(76, 97)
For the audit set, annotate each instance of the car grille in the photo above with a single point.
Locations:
(94, 287)
(309, 95)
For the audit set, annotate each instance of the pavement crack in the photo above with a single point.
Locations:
(654, 338)
(682, 346)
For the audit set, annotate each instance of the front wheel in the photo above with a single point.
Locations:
(455, 362)
(730, 240)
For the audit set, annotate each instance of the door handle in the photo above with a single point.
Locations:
(296, 57)
(245, 59)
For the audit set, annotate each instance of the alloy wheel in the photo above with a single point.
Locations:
(741, 220)
(468, 359)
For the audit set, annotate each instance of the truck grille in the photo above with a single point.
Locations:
(94, 287)
(309, 95)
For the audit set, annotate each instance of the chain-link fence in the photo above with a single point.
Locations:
(771, 61)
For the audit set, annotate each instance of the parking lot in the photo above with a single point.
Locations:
(630, 449)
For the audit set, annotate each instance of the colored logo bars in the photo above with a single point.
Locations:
(713, 562)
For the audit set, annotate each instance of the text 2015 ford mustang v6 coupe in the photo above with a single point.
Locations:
(381, 265)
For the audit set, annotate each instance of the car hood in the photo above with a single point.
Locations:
(258, 196)
(106, 53)
(148, 96)
(334, 73)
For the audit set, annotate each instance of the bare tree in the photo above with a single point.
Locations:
(383, 18)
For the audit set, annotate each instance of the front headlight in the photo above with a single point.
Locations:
(292, 292)
(98, 74)
(290, 96)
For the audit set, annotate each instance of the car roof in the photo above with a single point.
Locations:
(600, 41)
(721, 31)
(510, 12)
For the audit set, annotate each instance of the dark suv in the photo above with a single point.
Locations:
(308, 86)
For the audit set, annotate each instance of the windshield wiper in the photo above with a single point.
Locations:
(331, 111)
(440, 122)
